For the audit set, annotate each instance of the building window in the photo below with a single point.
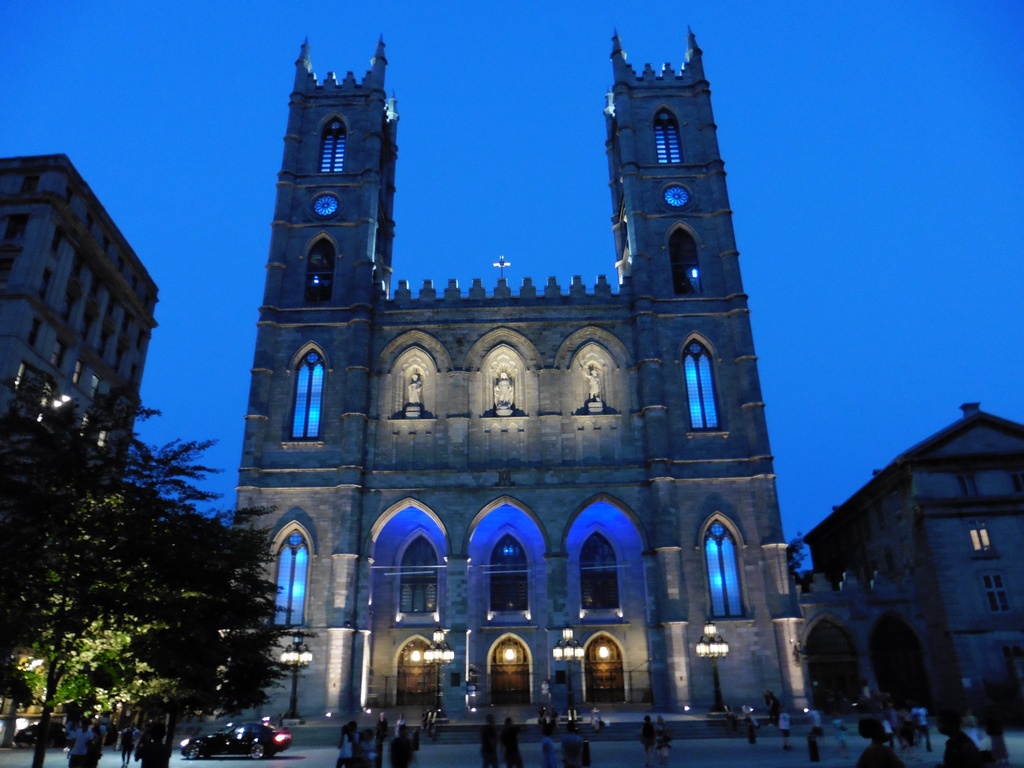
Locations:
(320, 273)
(683, 257)
(967, 485)
(292, 572)
(419, 578)
(599, 574)
(16, 226)
(76, 374)
(509, 590)
(666, 138)
(57, 355)
(723, 577)
(995, 593)
(45, 285)
(332, 148)
(700, 387)
(30, 184)
(94, 385)
(979, 538)
(309, 387)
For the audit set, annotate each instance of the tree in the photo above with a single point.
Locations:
(796, 553)
(106, 573)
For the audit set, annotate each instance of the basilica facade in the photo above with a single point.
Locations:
(494, 471)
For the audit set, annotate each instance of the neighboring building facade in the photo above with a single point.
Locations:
(75, 301)
(505, 465)
(932, 595)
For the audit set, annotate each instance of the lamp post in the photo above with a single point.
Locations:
(712, 646)
(568, 649)
(296, 657)
(439, 654)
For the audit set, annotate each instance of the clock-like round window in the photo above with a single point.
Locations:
(677, 196)
(325, 205)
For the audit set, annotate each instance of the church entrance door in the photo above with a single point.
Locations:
(510, 673)
(603, 671)
(897, 659)
(416, 681)
(832, 664)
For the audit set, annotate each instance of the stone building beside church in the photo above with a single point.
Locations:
(505, 464)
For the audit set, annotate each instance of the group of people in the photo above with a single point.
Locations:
(86, 741)
(961, 751)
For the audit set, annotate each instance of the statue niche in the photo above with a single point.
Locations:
(504, 392)
(594, 389)
(414, 394)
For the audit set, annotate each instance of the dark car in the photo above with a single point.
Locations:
(26, 737)
(254, 740)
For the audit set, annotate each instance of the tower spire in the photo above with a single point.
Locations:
(303, 66)
(379, 62)
(693, 61)
(619, 66)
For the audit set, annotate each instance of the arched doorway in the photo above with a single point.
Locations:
(510, 673)
(603, 671)
(832, 664)
(898, 661)
(416, 683)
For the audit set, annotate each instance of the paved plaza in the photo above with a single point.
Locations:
(686, 753)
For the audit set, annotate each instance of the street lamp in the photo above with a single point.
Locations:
(568, 649)
(439, 653)
(712, 646)
(296, 657)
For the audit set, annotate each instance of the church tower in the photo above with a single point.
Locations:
(498, 474)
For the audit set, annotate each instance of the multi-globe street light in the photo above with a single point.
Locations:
(712, 646)
(568, 649)
(297, 657)
(439, 654)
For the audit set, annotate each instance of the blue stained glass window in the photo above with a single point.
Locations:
(332, 148)
(292, 567)
(509, 589)
(309, 385)
(700, 387)
(418, 589)
(666, 139)
(723, 576)
(685, 264)
(599, 573)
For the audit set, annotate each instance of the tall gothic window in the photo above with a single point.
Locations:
(320, 272)
(682, 251)
(666, 138)
(309, 388)
(419, 578)
(332, 147)
(292, 565)
(700, 387)
(509, 576)
(723, 577)
(599, 573)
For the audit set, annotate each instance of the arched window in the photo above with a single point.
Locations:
(700, 387)
(682, 251)
(666, 138)
(723, 578)
(599, 574)
(419, 578)
(509, 581)
(292, 565)
(309, 388)
(320, 273)
(332, 147)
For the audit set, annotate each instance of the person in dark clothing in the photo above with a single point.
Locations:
(877, 754)
(381, 737)
(152, 751)
(489, 743)
(510, 744)
(127, 745)
(401, 748)
(960, 752)
(647, 739)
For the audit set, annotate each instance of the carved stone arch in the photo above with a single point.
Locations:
(663, 107)
(507, 337)
(727, 522)
(295, 519)
(416, 683)
(897, 658)
(576, 340)
(604, 669)
(509, 665)
(326, 120)
(305, 349)
(420, 531)
(832, 663)
(612, 501)
(415, 338)
(506, 384)
(497, 503)
(322, 236)
(397, 508)
(410, 388)
(701, 339)
(698, 241)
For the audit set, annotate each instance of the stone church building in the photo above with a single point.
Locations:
(504, 465)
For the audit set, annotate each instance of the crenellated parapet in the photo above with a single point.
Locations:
(551, 292)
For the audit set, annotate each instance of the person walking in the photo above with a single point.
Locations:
(548, 757)
(662, 737)
(381, 737)
(784, 725)
(489, 743)
(839, 728)
(79, 737)
(647, 740)
(876, 754)
(401, 748)
(127, 745)
(152, 751)
(920, 715)
(510, 744)
(572, 747)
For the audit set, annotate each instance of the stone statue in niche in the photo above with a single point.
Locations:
(414, 396)
(594, 402)
(504, 393)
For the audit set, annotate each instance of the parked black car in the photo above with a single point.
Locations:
(255, 740)
(26, 737)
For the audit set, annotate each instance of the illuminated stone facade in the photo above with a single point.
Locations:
(507, 463)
